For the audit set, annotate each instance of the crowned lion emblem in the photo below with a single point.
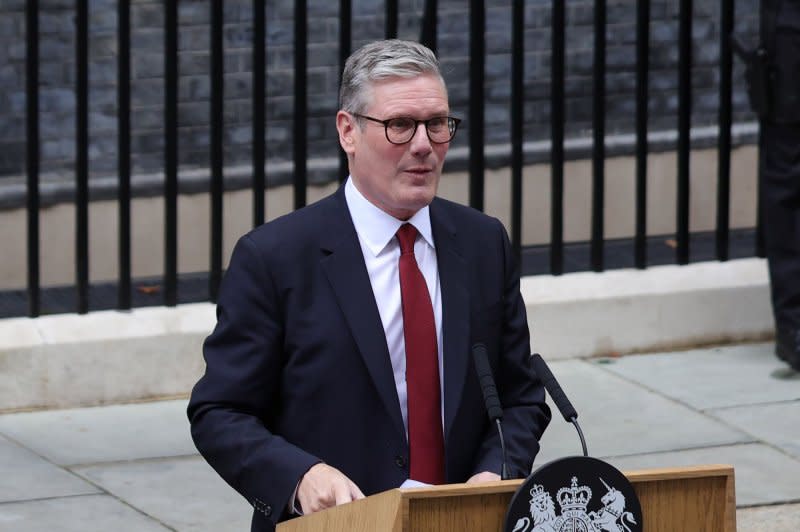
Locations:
(543, 512)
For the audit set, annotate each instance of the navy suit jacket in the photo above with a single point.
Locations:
(298, 368)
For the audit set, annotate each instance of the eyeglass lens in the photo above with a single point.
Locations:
(440, 129)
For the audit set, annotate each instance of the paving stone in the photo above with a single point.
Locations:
(763, 474)
(619, 417)
(769, 423)
(712, 378)
(184, 493)
(24, 475)
(90, 513)
(103, 434)
(769, 518)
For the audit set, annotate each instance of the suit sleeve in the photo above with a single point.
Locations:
(232, 404)
(525, 412)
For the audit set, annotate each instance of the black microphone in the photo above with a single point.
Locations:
(558, 395)
(548, 479)
(490, 398)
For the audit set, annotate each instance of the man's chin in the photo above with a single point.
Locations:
(409, 207)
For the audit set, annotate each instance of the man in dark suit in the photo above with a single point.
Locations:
(341, 362)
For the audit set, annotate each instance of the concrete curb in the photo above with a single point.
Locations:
(111, 357)
(661, 308)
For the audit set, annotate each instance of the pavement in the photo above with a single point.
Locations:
(133, 467)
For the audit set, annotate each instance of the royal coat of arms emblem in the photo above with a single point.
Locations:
(573, 509)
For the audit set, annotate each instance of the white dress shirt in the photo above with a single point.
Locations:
(376, 233)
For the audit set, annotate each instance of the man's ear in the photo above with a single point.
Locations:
(346, 126)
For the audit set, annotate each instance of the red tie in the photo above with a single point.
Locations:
(422, 367)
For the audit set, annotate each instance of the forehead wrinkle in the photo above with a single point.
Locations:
(412, 102)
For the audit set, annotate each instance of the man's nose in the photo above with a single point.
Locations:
(420, 143)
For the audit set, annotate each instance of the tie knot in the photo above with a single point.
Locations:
(406, 235)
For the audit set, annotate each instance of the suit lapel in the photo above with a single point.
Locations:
(455, 310)
(347, 273)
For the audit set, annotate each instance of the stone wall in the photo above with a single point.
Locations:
(57, 75)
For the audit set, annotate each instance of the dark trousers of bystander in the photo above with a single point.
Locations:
(780, 184)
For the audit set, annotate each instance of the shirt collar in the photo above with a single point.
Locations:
(376, 227)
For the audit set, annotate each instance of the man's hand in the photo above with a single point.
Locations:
(324, 486)
(483, 476)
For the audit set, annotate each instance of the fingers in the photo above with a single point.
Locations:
(355, 492)
(484, 476)
(324, 486)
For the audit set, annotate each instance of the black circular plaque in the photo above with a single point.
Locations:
(575, 494)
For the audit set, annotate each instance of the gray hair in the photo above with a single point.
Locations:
(379, 60)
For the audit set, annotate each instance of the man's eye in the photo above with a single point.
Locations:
(437, 123)
(401, 124)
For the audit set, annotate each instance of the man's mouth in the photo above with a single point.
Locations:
(419, 170)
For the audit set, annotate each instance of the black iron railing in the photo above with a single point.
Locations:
(476, 142)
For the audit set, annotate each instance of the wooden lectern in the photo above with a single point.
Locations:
(696, 499)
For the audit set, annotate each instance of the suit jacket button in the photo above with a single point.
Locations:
(268, 511)
(400, 461)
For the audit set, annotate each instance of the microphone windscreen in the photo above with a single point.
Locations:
(553, 388)
(484, 372)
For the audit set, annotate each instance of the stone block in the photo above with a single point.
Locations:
(193, 114)
(147, 40)
(147, 65)
(103, 71)
(147, 15)
(57, 45)
(59, 149)
(194, 13)
(12, 24)
(102, 45)
(238, 86)
(102, 121)
(12, 158)
(103, 19)
(194, 38)
(194, 88)
(11, 127)
(238, 36)
(147, 92)
(147, 142)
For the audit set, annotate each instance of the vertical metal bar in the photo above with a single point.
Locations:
(684, 124)
(391, 19)
(170, 153)
(300, 103)
(124, 152)
(724, 121)
(599, 134)
(642, 87)
(517, 111)
(32, 153)
(428, 32)
(82, 154)
(557, 139)
(259, 110)
(345, 37)
(477, 59)
(217, 126)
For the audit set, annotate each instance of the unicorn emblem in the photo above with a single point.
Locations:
(612, 517)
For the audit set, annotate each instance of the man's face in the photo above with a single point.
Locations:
(398, 179)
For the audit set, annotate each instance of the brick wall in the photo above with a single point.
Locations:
(57, 74)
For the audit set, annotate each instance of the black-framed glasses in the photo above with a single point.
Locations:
(400, 130)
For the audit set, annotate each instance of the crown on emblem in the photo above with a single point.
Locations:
(537, 491)
(575, 497)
